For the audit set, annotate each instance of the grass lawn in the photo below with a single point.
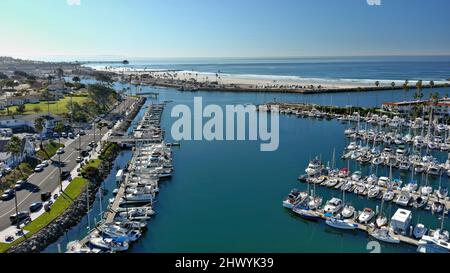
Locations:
(56, 107)
(95, 163)
(50, 148)
(61, 204)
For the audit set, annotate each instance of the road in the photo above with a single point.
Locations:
(48, 180)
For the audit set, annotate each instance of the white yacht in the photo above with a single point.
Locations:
(294, 197)
(333, 206)
(419, 231)
(384, 234)
(383, 181)
(109, 244)
(366, 215)
(373, 192)
(340, 223)
(435, 245)
(388, 195)
(403, 198)
(348, 211)
(314, 167)
(115, 231)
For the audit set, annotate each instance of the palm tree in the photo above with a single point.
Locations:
(419, 85)
(15, 147)
(39, 125)
(59, 128)
(377, 83)
(47, 96)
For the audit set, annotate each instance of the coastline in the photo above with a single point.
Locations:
(202, 81)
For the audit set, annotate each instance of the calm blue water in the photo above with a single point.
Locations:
(225, 196)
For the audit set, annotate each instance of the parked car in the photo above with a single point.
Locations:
(45, 196)
(79, 159)
(85, 153)
(36, 206)
(60, 151)
(45, 163)
(65, 175)
(19, 217)
(82, 133)
(39, 168)
(64, 134)
(19, 185)
(7, 195)
(55, 135)
(70, 135)
(92, 144)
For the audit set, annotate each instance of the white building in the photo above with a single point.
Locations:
(442, 108)
(11, 161)
(401, 220)
(24, 122)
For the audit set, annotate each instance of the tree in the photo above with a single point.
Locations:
(419, 85)
(59, 128)
(76, 79)
(377, 83)
(101, 95)
(39, 124)
(393, 85)
(14, 147)
(20, 108)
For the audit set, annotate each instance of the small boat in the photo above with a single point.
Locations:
(348, 211)
(314, 167)
(437, 207)
(440, 234)
(381, 221)
(347, 186)
(115, 231)
(360, 188)
(294, 197)
(366, 215)
(403, 198)
(306, 213)
(352, 146)
(420, 202)
(340, 224)
(372, 179)
(314, 202)
(432, 245)
(111, 244)
(373, 192)
(333, 206)
(383, 181)
(426, 190)
(388, 195)
(356, 176)
(442, 192)
(419, 231)
(383, 234)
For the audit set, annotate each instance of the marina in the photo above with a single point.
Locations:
(128, 212)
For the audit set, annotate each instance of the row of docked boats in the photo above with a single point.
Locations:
(343, 216)
(132, 204)
(373, 187)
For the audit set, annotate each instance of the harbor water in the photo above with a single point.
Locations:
(226, 196)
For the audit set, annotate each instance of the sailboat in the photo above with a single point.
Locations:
(341, 223)
(381, 220)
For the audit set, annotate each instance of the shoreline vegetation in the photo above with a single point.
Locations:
(196, 81)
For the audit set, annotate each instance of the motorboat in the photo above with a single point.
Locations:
(383, 181)
(360, 188)
(434, 245)
(347, 186)
(366, 215)
(348, 211)
(115, 231)
(333, 206)
(314, 167)
(434, 169)
(442, 192)
(377, 160)
(110, 244)
(437, 207)
(419, 168)
(352, 146)
(137, 198)
(419, 231)
(403, 198)
(314, 202)
(383, 234)
(373, 192)
(426, 190)
(294, 197)
(305, 212)
(388, 195)
(440, 234)
(340, 224)
(372, 179)
(356, 176)
(420, 202)
(410, 187)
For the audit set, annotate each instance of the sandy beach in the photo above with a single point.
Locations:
(260, 82)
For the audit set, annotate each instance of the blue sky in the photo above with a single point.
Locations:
(228, 28)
